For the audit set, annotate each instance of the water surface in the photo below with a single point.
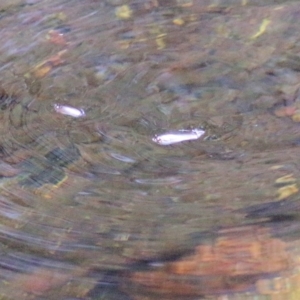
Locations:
(91, 207)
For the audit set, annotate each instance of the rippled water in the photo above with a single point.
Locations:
(97, 202)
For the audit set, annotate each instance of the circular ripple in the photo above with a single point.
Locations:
(80, 197)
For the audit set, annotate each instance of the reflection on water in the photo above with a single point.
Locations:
(149, 149)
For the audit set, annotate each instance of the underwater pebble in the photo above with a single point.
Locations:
(296, 116)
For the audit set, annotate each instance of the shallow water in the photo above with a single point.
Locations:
(94, 205)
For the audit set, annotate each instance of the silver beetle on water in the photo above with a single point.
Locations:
(178, 136)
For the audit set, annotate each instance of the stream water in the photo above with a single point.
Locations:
(149, 149)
